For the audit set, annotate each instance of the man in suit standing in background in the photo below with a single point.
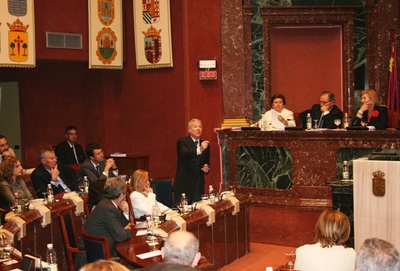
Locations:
(193, 163)
(69, 151)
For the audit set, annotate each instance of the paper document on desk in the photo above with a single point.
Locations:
(276, 124)
(149, 254)
(141, 232)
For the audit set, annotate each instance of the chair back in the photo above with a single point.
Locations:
(96, 247)
(70, 238)
(163, 190)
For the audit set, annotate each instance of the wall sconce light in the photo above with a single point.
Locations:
(208, 74)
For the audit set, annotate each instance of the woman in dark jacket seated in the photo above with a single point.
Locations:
(372, 112)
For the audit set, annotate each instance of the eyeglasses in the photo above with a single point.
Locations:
(51, 158)
(323, 102)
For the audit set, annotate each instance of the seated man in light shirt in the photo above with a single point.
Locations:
(51, 171)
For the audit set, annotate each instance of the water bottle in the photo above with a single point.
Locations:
(51, 258)
(309, 121)
(86, 184)
(50, 194)
(156, 215)
(346, 121)
(345, 171)
(185, 205)
(211, 194)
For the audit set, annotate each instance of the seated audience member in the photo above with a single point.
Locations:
(104, 265)
(372, 112)
(377, 254)
(285, 116)
(69, 151)
(325, 112)
(50, 171)
(4, 147)
(329, 253)
(142, 198)
(11, 183)
(105, 220)
(180, 252)
(98, 170)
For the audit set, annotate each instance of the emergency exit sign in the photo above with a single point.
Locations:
(208, 75)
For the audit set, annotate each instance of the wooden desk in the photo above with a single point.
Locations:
(222, 242)
(130, 163)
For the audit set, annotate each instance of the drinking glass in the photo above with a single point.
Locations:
(7, 252)
(290, 263)
(315, 124)
(44, 197)
(81, 188)
(337, 122)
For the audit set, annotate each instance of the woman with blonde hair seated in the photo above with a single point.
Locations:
(142, 198)
(371, 112)
(329, 253)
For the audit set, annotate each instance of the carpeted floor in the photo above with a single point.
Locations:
(260, 256)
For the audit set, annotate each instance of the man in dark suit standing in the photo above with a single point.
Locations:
(61, 177)
(325, 112)
(69, 151)
(98, 170)
(110, 218)
(193, 163)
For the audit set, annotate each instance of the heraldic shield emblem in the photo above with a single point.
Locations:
(106, 40)
(378, 183)
(106, 11)
(152, 45)
(18, 41)
(151, 11)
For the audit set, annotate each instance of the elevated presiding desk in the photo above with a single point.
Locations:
(287, 173)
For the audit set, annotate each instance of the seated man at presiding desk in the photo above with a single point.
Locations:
(51, 171)
(180, 252)
(98, 170)
(325, 112)
(69, 151)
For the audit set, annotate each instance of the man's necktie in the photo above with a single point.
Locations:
(321, 121)
(196, 142)
(76, 157)
(98, 171)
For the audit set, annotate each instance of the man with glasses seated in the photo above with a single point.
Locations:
(50, 171)
(325, 112)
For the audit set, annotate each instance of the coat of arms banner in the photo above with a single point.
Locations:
(105, 34)
(17, 34)
(152, 26)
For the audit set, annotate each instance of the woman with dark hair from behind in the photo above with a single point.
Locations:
(11, 183)
(329, 253)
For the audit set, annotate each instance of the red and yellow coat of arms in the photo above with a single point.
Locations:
(151, 11)
(106, 45)
(18, 42)
(106, 11)
(152, 45)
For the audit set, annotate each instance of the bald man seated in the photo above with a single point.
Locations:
(180, 253)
